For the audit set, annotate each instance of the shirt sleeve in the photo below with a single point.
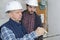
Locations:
(7, 34)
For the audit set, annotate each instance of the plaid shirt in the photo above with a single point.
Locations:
(7, 34)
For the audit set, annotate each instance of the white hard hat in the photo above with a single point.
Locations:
(13, 5)
(32, 2)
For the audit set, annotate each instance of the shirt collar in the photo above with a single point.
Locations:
(14, 22)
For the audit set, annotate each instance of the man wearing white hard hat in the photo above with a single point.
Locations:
(30, 19)
(13, 29)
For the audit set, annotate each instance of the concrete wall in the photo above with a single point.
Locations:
(3, 17)
(54, 18)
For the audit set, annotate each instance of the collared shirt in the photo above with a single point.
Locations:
(7, 34)
(31, 22)
(28, 21)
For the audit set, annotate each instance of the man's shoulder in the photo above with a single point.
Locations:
(36, 15)
(24, 11)
(5, 24)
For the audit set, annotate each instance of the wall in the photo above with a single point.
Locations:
(54, 18)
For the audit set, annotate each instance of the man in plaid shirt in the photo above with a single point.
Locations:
(13, 29)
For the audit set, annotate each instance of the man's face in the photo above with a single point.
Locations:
(16, 15)
(31, 9)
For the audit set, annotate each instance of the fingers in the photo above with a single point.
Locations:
(40, 31)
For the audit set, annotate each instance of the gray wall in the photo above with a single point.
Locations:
(3, 16)
(54, 18)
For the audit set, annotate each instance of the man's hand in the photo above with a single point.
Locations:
(40, 31)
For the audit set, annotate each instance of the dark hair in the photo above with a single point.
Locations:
(27, 5)
(8, 11)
